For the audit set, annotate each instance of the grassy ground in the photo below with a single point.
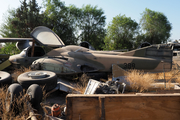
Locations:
(19, 109)
(19, 71)
(140, 82)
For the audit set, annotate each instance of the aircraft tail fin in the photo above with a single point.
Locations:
(118, 71)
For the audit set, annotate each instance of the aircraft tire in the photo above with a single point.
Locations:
(35, 94)
(46, 78)
(14, 91)
(5, 78)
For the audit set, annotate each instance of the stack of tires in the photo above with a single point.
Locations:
(31, 81)
(34, 93)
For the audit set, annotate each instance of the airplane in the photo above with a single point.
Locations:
(72, 59)
(30, 52)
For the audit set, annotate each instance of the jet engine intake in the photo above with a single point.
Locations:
(23, 44)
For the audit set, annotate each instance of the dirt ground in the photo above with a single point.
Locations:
(57, 97)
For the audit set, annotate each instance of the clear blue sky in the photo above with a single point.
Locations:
(112, 8)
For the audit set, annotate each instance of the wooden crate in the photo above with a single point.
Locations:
(123, 107)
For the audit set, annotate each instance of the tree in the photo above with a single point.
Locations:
(23, 20)
(20, 22)
(91, 23)
(7, 29)
(59, 19)
(121, 33)
(155, 26)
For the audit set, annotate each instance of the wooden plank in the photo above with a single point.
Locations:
(142, 108)
(125, 107)
(101, 108)
(69, 112)
(85, 108)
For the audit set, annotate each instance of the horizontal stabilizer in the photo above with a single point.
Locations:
(152, 51)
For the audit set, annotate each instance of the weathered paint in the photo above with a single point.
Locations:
(76, 58)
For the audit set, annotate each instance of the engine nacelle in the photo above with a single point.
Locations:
(23, 44)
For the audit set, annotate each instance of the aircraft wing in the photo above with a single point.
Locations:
(21, 44)
(15, 39)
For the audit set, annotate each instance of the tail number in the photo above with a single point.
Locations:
(129, 65)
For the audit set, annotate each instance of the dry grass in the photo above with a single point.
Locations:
(19, 71)
(167, 75)
(172, 76)
(140, 81)
(176, 76)
(82, 83)
(21, 110)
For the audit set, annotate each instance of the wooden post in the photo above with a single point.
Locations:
(32, 51)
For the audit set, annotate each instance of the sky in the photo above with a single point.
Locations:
(112, 8)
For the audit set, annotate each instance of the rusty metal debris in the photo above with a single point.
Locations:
(109, 87)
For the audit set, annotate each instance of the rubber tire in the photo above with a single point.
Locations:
(15, 90)
(5, 78)
(50, 81)
(35, 94)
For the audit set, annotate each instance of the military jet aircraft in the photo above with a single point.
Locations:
(30, 52)
(74, 59)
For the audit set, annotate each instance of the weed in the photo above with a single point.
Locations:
(140, 81)
(81, 84)
(19, 109)
(19, 71)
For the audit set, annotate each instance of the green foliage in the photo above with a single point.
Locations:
(121, 33)
(59, 19)
(23, 20)
(91, 23)
(9, 48)
(20, 22)
(156, 28)
(7, 29)
(74, 25)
